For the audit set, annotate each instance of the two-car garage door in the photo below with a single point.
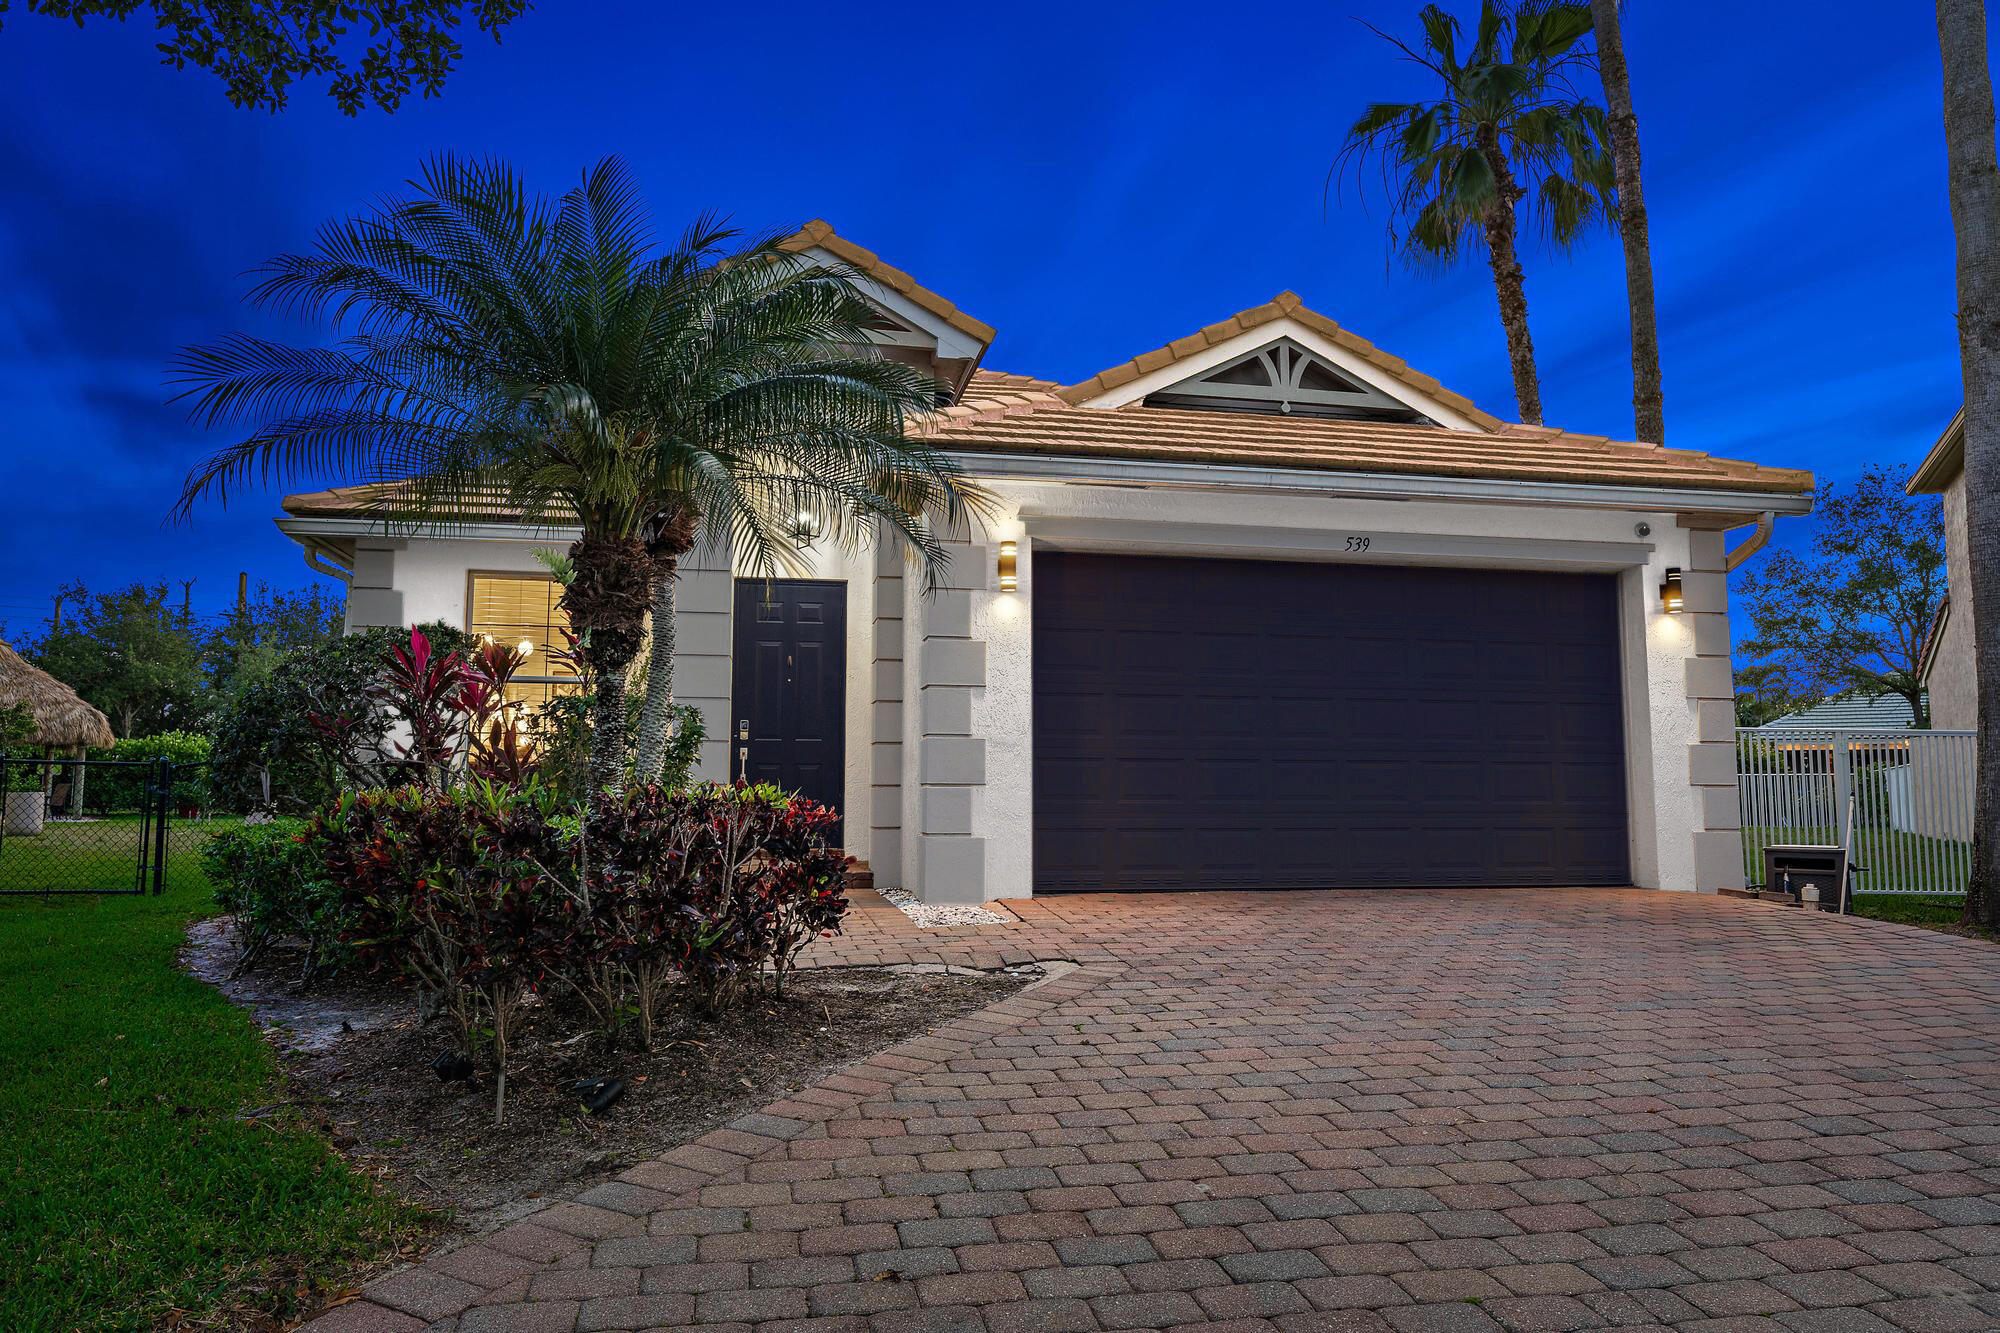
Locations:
(1224, 724)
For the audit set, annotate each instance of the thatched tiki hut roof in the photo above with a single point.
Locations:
(63, 721)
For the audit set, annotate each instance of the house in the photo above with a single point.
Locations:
(1263, 608)
(1946, 666)
(1851, 711)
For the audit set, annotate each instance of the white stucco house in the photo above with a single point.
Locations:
(1263, 608)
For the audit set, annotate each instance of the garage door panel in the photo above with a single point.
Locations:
(1213, 723)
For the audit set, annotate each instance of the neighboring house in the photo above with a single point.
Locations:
(1263, 608)
(1947, 668)
(1848, 712)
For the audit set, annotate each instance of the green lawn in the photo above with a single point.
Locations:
(131, 1187)
(1936, 912)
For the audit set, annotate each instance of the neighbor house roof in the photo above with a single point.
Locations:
(820, 235)
(1285, 305)
(1847, 711)
(62, 718)
(1944, 462)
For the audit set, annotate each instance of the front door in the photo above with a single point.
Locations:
(789, 697)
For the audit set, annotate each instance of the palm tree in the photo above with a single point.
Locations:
(1506, 126)
(1974, 178)
(1648, 401)
(780, 429)
(504, 353)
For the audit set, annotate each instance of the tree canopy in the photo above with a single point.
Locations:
(372, 52)
(1851, 609)
(149, 663)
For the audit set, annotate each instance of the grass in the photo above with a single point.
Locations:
(1933, 911)
(1886, 852)
(130, 1185)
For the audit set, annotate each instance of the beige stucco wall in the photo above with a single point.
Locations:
(1954, 691)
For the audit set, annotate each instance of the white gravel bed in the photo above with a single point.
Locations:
(934, 916)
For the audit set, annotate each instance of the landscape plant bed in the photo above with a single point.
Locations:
(375, 1095)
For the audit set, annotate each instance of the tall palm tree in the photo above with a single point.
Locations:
(1649, 419)
(1506, 126)
(1974, 179)
(501, 352)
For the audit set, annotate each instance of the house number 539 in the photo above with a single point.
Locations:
(1357, 544)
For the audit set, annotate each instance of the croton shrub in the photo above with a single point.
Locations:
(482, 895)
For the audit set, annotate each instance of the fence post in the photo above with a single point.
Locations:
(160, 812)
(1843, 779)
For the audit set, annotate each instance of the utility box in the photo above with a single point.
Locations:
(1793, 867)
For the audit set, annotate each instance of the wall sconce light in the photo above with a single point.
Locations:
(1670, 592)
(1009, 580)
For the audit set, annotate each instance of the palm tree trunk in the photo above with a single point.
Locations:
(1508, 283)
(1648, 405)
(608, 731)
(1974, 178)
(656, 715)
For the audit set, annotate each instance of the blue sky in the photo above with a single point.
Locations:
(1092, 180)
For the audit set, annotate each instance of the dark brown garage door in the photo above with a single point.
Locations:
(1227, 724)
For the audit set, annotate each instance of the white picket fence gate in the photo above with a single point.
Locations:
(1900, 801)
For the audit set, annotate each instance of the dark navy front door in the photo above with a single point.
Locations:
(788, 721)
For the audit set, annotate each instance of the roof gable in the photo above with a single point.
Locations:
(819, 235)
(1282, 376)
(1943, 463)
(1284, 316)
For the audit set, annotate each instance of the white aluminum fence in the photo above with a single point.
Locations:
(1901, 801)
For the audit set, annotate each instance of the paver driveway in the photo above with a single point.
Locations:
(1414, 1111)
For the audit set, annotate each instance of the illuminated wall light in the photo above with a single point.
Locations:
(1670, 592)
(1009, 579)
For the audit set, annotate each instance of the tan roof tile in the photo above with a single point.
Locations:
(820, 234)
(1285, 305)
(1045, 420)
(1021, 414)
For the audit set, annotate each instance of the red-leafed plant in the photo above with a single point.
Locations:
(498, 748)
(424, 688)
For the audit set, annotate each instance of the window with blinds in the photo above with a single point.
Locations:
(514, 608)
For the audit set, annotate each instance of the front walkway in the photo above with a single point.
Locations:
(1357, 1111)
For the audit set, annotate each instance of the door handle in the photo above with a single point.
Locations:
(743, 763)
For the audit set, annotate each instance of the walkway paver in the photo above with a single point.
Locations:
(1502, 1109)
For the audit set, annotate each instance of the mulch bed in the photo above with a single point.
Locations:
(358, 1067)
(381, 1104)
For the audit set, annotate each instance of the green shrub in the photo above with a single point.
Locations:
(123, 789)
(481, 894)
(310, 724)
(272, 876)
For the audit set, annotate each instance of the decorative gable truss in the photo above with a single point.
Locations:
(1283, 377)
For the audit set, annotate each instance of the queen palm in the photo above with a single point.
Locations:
(502, 353)
(1505, 126)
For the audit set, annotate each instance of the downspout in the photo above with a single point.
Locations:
(317, 553)
(1752, 544)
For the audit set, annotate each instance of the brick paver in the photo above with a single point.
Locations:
(1508, 1109)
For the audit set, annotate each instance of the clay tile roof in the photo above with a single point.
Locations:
(1034, 418)
(818, 234)
(1285, 305)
